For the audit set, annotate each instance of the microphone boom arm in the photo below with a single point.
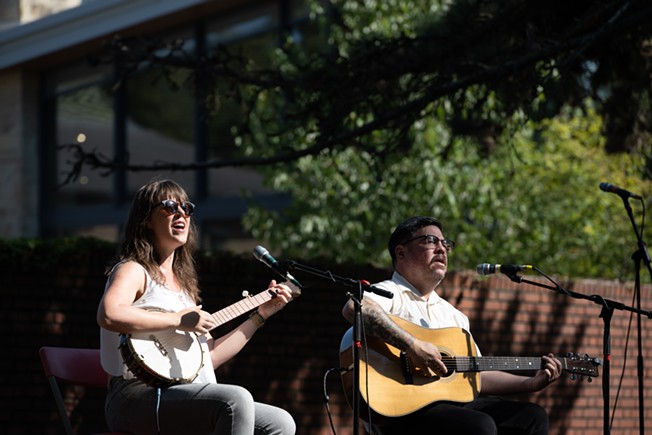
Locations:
(347, 282)
(607, 303)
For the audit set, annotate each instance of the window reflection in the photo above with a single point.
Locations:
(85, 111)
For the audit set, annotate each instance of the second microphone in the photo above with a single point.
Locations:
(507, 269)
(261, 254)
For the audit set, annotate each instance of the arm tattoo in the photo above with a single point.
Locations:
(382, 326)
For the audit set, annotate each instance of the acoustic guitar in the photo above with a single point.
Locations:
(391, 387)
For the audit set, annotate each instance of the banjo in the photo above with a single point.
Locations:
(164, 358)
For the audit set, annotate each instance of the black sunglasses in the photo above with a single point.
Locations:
(171, 206)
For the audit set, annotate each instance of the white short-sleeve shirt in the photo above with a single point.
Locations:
(408, 304)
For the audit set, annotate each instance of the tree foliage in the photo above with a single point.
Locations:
(499, 116)
(494, 116)
(379, 66)
(533, 201)
(388, 64)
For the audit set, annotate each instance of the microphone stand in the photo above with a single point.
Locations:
(606, 313)
(359, 287)
(639, 255)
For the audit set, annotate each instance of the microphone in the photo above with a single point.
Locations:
(618, 191)
(366, 286)
(507, 269)
(261, 254)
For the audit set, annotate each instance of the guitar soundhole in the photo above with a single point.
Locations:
(450, 364)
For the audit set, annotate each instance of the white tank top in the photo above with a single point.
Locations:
(159, 297)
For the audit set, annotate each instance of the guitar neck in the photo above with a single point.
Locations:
(481, 364)
(247, 304)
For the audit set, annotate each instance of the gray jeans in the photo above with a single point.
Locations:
(195, 409)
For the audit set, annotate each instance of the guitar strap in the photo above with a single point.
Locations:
(405, 368)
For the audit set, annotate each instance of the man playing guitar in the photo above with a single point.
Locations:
(419, 254)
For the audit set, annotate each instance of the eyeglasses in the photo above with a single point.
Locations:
(432, 241)
(172, 207)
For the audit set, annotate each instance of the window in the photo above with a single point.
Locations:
(154, 116)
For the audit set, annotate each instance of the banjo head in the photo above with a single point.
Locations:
(163, 358)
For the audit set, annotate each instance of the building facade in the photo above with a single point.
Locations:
(61, 88)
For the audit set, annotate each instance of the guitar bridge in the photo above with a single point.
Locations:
(405, 368)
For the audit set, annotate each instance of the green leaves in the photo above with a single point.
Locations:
(535, 200)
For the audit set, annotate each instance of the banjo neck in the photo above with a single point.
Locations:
(237, 309)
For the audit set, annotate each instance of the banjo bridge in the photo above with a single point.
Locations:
(157, 343)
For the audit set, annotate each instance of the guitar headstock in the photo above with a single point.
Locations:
(581, 366)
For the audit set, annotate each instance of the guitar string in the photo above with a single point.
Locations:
(465, 362)
(582, 366)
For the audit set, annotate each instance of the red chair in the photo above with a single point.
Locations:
(73, 366)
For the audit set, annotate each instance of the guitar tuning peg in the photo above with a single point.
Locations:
(570, 354)
(245, 294)
(572, 377)
(589, 379)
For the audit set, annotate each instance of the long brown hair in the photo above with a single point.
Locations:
(138, 239)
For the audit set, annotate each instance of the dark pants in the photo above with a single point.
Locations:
(483, 416)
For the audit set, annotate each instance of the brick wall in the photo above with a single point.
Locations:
(51, 294)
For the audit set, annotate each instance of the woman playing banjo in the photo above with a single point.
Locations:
(153, 291)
